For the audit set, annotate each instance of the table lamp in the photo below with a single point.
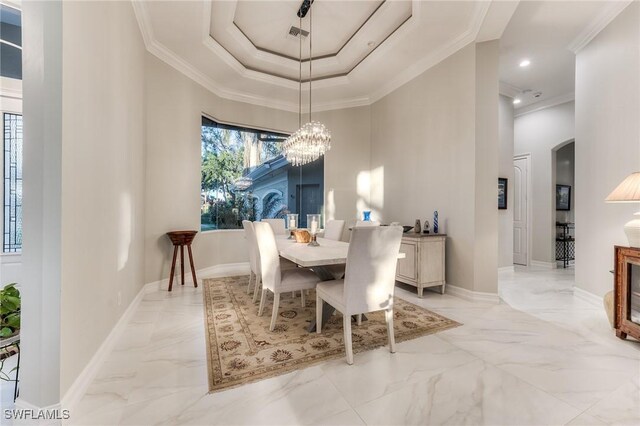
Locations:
(629, 192)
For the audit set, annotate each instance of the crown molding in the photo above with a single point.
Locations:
(509, 89)
(231, 60)
(171, 58)
(469, 36)
(14, 4)
(174, 60)
(338, 66)
(609, 13)
(546, 103)
(146, 29)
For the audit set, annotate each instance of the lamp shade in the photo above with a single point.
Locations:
(627, 192)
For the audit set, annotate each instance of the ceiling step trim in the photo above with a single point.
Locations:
(174, 60)
(547, 103)
(509, 90)
(430, 61)
(613, 9)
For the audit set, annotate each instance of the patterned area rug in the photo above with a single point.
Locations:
(241, 349)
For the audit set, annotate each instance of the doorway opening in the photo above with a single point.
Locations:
(564, 203)
(521, 210)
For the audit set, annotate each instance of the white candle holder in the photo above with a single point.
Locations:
(313, 225)
(292, 224)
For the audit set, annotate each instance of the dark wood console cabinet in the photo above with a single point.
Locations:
(627, 292)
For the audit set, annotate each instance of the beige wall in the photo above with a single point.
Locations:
(423, 156)
(505, 170)
(175, 105)
(539, 133)
(103, 159)
(607, 144)
(486, 167)
(347, 164)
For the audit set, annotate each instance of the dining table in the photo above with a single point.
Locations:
(317, 258)
(327, 252)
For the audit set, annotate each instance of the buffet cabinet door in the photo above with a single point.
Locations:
(627, 292)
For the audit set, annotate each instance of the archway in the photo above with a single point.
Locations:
(563, 203)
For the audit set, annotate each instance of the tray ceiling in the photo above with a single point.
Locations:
(362, 50)
(344, 34)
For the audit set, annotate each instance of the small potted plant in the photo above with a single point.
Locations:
(9, 311)
(9, 324)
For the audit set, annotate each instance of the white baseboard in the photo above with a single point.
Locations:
(223, 270)
(588, 297)
(546, 265)
(79, 386)
(82, 382)
(474, 296)
(507, 269)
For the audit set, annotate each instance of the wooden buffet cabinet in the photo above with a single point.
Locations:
(626, 294)
(424, 263)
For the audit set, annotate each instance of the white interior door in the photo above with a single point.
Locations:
(520, 216)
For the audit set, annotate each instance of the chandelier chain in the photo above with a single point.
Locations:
(312, 140)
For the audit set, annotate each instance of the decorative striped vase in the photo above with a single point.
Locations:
(435, 222)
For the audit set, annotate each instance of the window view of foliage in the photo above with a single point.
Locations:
(229, 156)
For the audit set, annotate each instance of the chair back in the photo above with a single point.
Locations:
(333, 230)
(254, 256)
(371, 268)
(277, 225)
(268, 256)
(366, 223)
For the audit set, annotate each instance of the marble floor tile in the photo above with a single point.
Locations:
(621, 407)
(379, 372)
(542, 356)
(585, 420)
(577, 371)
(344, 418)
(475, 394)
(301, 397)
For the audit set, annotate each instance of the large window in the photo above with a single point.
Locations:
(10, 42)
(246, 177)
(12, 188)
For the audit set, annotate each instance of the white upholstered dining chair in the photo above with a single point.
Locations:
(274, 278)
(255, 274)
(366, 223)
(369, 280)
(277, 225)
(333, 229)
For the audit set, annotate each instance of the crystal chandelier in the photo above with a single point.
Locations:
(312, 140)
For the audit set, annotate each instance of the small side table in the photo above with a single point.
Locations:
(179, 239)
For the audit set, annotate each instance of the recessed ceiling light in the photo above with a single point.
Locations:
(525, 63)
(371, 43)
(516, 101)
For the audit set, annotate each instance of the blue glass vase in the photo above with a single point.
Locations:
(367, 216)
